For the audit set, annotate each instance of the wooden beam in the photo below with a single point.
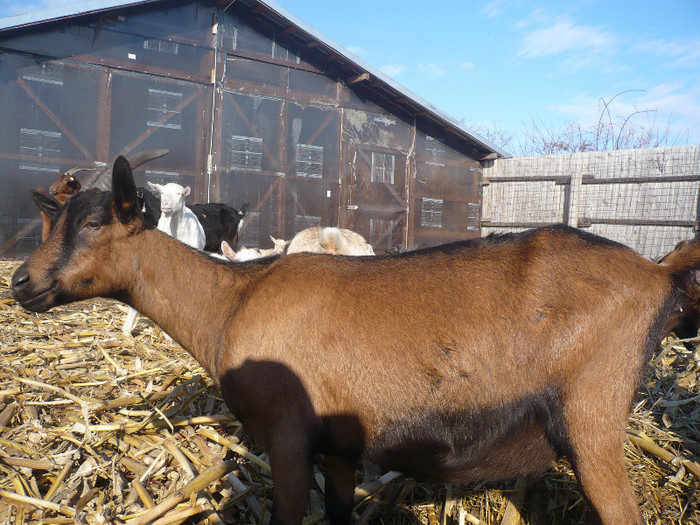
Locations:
(359, 78)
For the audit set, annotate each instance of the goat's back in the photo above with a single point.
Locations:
(336, 241)
(445, 323)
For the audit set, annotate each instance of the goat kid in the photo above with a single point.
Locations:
(467, 362)
(249, 254)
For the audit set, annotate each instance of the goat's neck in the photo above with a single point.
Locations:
(170, 222)
(185, 293)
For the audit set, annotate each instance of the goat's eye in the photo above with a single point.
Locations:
(93, 225)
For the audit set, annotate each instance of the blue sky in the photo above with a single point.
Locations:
(505, 63)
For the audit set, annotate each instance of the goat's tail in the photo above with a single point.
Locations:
(331, 240)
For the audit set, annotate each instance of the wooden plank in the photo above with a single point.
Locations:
(359, 78)
(591, 179)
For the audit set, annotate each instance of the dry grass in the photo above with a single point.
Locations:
(97, 428)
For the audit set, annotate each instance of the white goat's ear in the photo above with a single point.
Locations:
(155, 187)
(227, 251)
(185, 191)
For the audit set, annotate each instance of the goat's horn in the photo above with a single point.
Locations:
(146, 156)
(73, 171)
(102, 177)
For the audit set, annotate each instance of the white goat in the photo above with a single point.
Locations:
(334, 241)
(178, 221)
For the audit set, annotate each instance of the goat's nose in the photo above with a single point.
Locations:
(20, 279)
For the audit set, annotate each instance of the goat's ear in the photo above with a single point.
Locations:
(126, 200)
(46, 203)
(227, 251)
(185, 191)
(155, 187)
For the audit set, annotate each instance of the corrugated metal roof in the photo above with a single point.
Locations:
(55, 14)
(281, 16)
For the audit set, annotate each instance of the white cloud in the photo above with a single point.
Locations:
(565, 37)
(679, 53)
(494, 9)
(674, 104)
(432, 69)
(392, 70)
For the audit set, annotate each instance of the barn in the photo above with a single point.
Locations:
(254, 106)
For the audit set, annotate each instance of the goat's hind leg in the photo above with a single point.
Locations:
(340, 489)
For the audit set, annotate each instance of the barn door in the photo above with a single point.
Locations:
(375, 195)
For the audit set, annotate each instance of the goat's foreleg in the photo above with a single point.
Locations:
(596, 436)
(291, 462)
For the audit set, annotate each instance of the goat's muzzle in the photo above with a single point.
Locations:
(30, 295)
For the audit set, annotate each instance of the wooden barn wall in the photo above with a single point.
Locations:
(647, 199)
(247, 116)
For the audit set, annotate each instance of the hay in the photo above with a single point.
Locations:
(96, 427)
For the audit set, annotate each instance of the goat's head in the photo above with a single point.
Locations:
(172, 196)
(280, 244)
(67, 183)
(80, 258)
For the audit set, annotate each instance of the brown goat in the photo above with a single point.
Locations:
(473, 361)
(65, 186)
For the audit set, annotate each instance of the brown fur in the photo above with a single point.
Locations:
(466, 362)
(65, 186)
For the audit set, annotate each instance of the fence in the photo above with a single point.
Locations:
(647, 199)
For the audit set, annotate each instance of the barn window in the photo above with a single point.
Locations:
(161, 46)
(162, 177)
(162, 109)
(47, 73)
(35, 146)
(435, 152)
(383, 165)
(309, 161)
(250, 235)
(26, 238)
(246, 152)
(431, 213)
(301, 222)
(473, 216)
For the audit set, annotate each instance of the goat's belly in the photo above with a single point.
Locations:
(461, 448)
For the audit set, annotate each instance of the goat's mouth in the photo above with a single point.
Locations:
(166, 209)
(36, 301)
